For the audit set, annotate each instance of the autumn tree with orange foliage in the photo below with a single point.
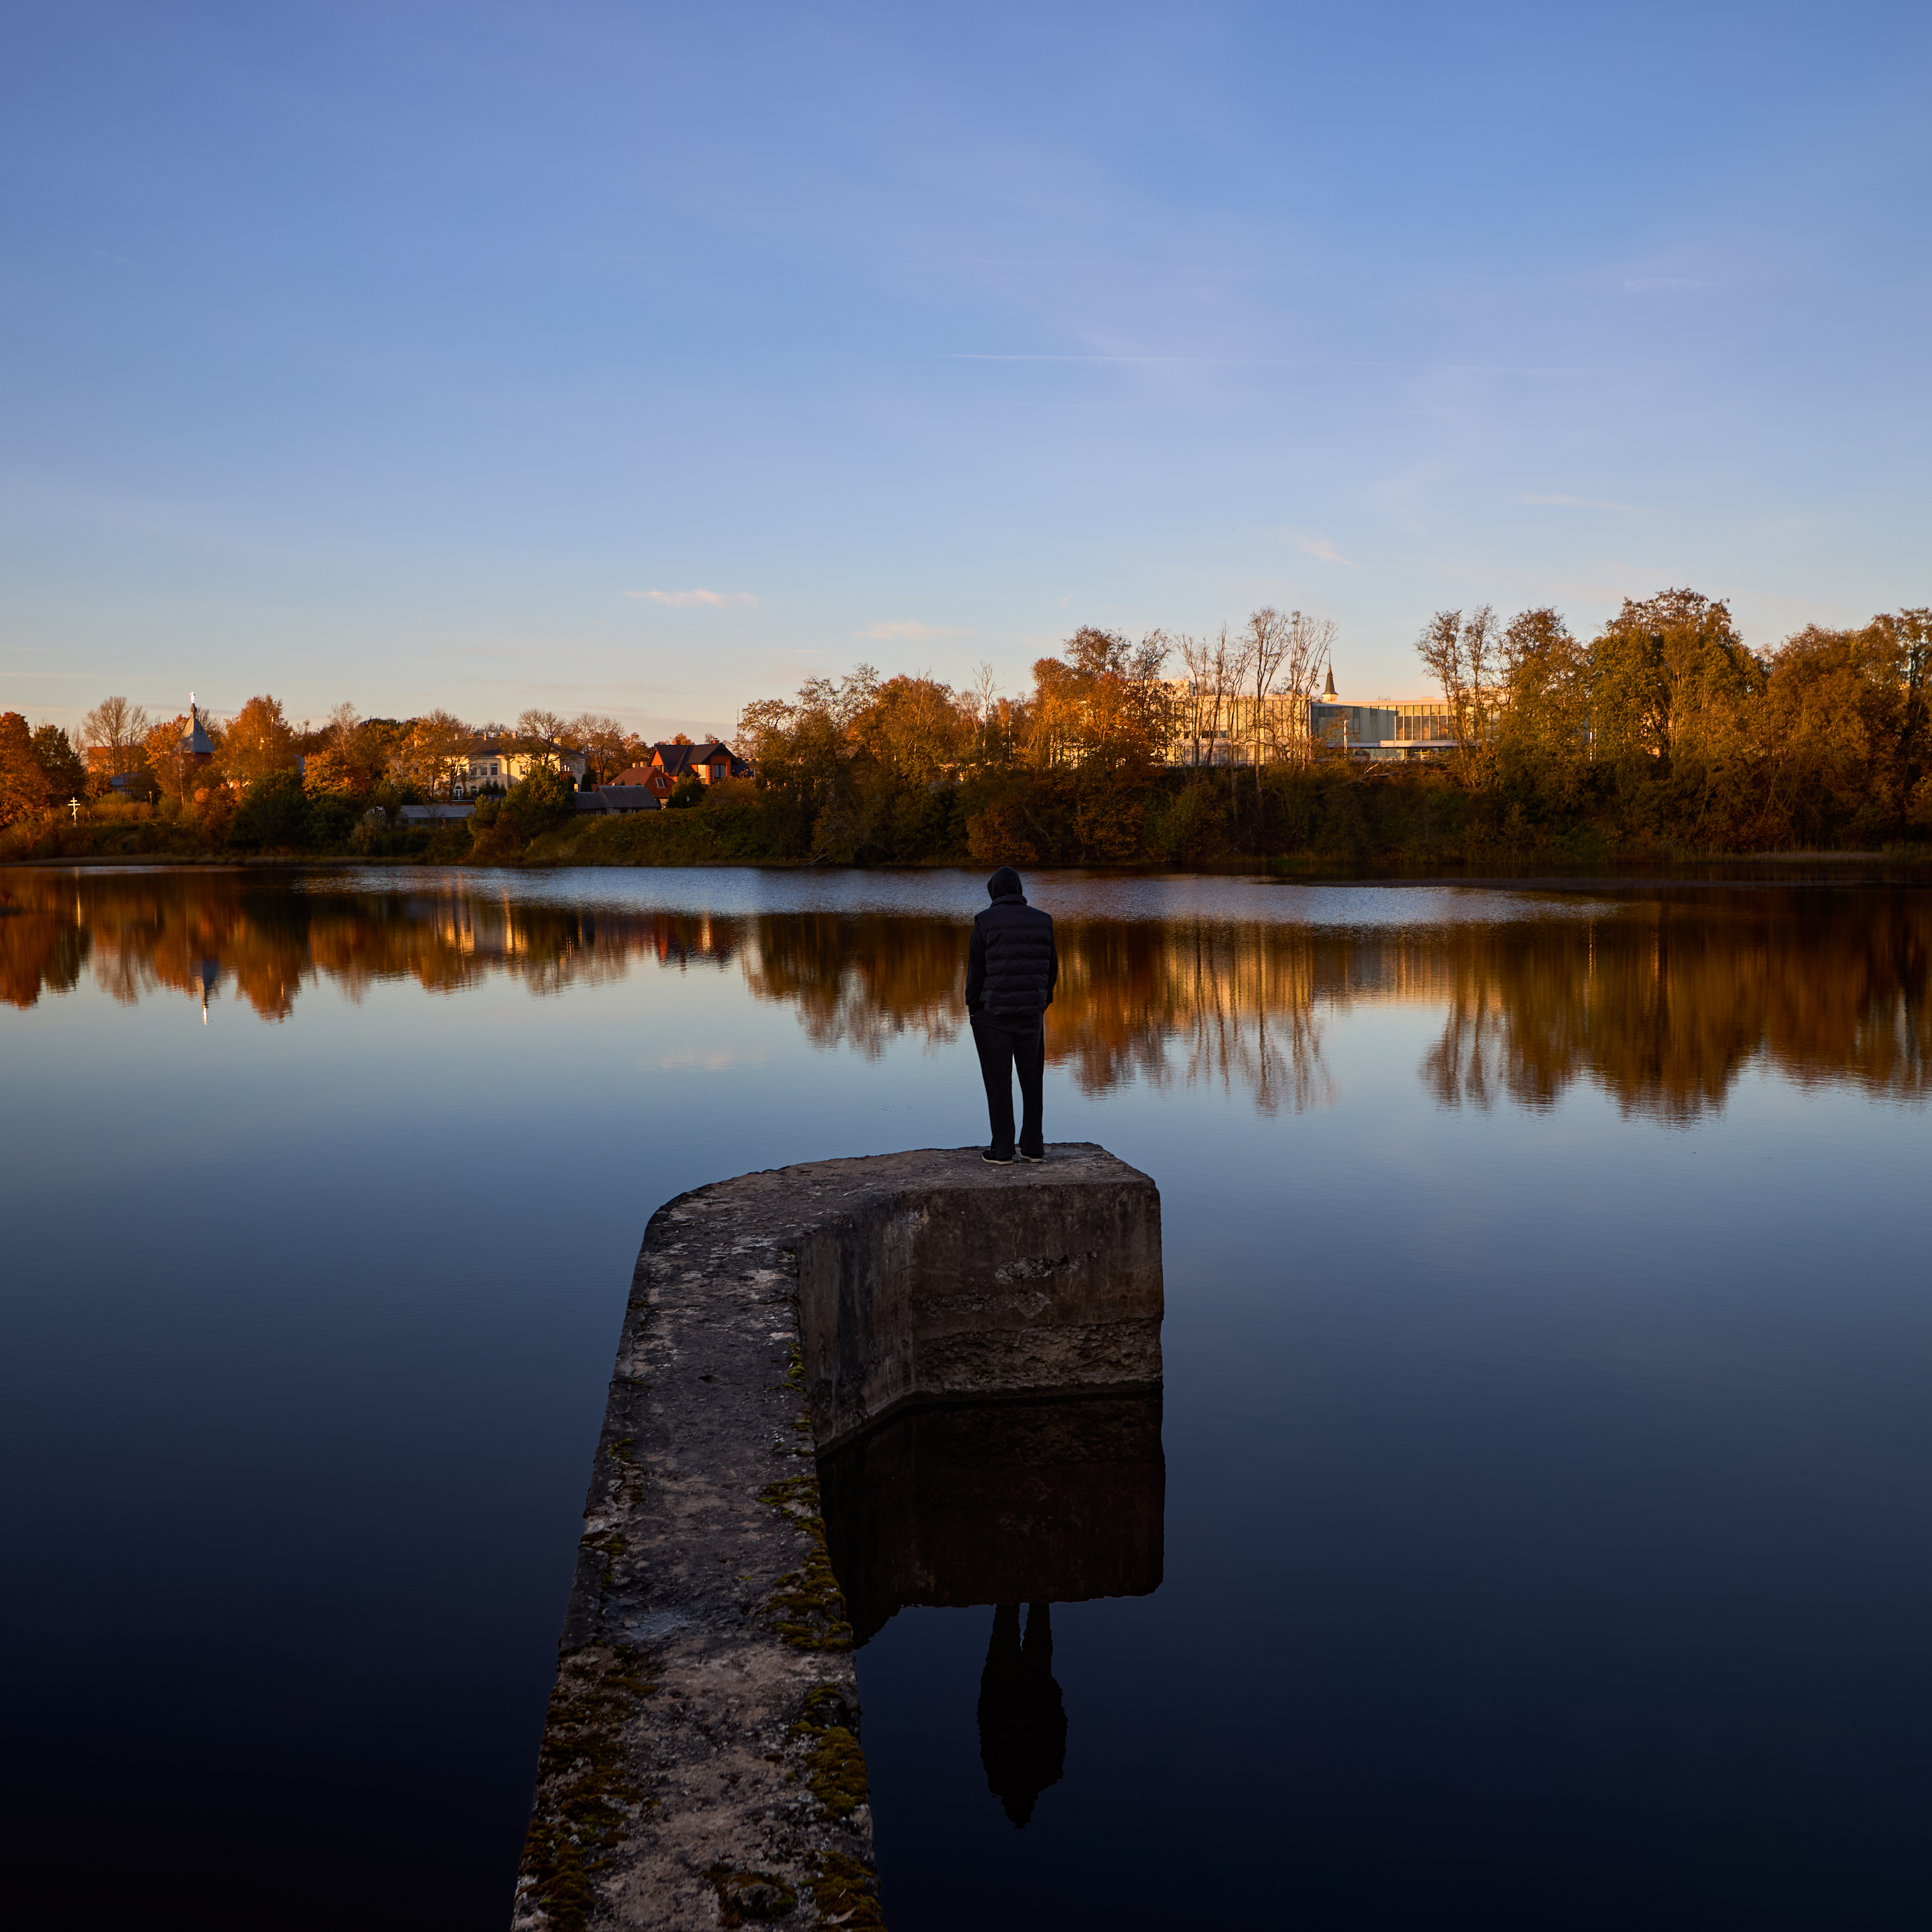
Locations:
(1101, 722)
(259, 741)
(350, 762)
(161, 751)
(427, 757)
(23, 785)
(1670, 682)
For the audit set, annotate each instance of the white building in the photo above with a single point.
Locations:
(1237, 731)
(496, 761)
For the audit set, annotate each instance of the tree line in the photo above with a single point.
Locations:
(1080, 770)
(336, 784)
(1665, 724)
(1662, 733)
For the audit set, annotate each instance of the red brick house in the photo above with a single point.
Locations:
(648, 777)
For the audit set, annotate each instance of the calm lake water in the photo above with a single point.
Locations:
(1540, 1501)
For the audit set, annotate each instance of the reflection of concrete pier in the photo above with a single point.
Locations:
(1024, 1502)
(1002, 1503)
(700, 1762)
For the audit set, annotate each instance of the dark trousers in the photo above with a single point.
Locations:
(1007, 1047)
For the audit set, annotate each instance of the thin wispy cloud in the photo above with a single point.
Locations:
(1203, 362)
(1318, 547)
(1295, 362)
(1590, 503)
(905, 630)
(687, 600)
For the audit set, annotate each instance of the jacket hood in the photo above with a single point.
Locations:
(1005, 884)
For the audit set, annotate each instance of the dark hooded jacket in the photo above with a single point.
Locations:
(1013, 963)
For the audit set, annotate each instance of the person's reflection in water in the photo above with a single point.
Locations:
(1022, 1721)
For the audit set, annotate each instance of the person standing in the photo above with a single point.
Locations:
(1011, 971)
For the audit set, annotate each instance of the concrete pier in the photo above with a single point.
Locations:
(700, 1765)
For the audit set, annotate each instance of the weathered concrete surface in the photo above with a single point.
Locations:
(700, 1765)
(941, 1277)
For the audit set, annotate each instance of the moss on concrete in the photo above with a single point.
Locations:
(588, 1797)
(836, 1766)
(846, 1893)
(750, 1897)
(807, 1607)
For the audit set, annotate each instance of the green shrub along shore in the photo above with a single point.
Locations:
(1396, 818)
(1662, 738)
(1316, 818)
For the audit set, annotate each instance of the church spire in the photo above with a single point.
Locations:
(197, 747)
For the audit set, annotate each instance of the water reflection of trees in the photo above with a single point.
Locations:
(1156, 1003)
(1662, 1002)
(860, 980)
(1193, 1001)
(143, 934)
(1664, 1005)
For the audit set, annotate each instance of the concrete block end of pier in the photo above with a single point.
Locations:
(701, 1763)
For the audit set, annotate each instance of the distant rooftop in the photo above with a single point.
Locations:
(195, 743)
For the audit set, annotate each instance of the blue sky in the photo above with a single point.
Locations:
(424, 354)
